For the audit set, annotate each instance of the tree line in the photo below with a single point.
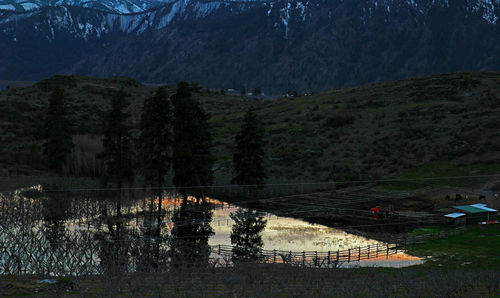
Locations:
(174, 135)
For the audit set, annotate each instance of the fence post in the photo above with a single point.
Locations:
(387, 254)
(303, 258)
(219, 249)
(377, 251)
(359, 253)
(274, 256)
(338, 257)
(368, 252)
(349, 255)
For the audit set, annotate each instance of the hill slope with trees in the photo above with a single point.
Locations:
(445, 124)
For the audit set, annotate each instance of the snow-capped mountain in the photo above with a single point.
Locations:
(96, 23)
(61, 16)
(117, 6)
(275, 44)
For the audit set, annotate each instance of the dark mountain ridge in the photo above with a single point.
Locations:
(275, 45)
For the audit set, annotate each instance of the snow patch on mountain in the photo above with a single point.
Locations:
(7, 7)
(203, 9)
(285, 17)
(422, 6)
(29, 6)
(488, 7)
(169, 16)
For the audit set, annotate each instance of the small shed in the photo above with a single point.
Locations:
(456, 218)
(477, 212)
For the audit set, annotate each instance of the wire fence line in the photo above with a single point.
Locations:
(20, 207)
(405, 241)
(316, 204)
(88, 212)
(327, 184)
(32, 252)
(84, 212)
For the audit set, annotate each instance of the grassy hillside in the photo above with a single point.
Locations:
(447, 123)
(22, 111)
(440, 125)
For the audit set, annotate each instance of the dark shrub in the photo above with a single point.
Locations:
(339, 119)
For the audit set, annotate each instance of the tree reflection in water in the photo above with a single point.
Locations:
(149, 242)
(115, 243)
(246, 235)
(190, 233)
(55, 212)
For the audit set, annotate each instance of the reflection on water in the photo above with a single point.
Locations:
(190, 233)
(137, 237)
(54, 212)
(399, 260)
(284, 233)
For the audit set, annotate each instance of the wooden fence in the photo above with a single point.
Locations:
(329, 259)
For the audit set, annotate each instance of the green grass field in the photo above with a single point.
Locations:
(477, 249)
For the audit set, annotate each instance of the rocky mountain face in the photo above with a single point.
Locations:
(276, 45)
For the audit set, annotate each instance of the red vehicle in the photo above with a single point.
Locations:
(379, 212)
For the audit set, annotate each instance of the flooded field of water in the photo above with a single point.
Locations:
(92, 233)
(285, 233)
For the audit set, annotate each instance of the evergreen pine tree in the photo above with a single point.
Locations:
(192, 160)
(59, 141)
(246, 235)
(117, 144)
(249, 156)
(155, 141)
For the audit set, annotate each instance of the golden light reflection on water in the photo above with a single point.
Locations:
(281, 233)
(171, 202)
(284, 233)
(398, 260)
(290, 234)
